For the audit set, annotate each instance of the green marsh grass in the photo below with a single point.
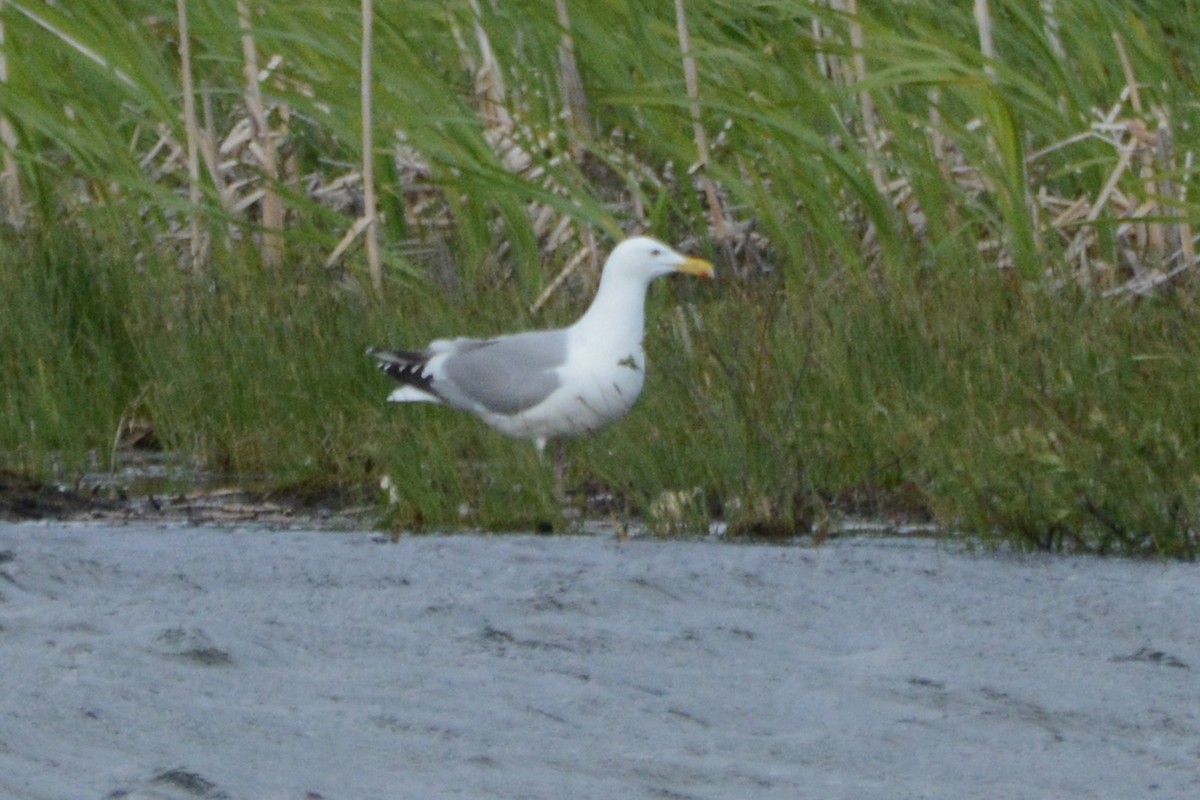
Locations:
(954, 288)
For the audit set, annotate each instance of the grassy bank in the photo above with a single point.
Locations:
(955, 259)
(1055, 419)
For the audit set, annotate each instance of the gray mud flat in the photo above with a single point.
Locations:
(180, 662)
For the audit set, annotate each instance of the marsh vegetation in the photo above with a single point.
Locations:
(954, 248)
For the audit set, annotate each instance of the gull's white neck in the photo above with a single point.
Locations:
(618, 312)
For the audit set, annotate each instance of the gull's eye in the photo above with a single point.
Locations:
(656, 252)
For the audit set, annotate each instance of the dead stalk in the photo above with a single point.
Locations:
(1051, 26)
(987, 46)
(10, 179)
(818, 34)
(692, 84)
(489, 79)
(1140, 134)
(570, 84)
(585, 253)
(272, 202)
(1185, 228)
(192, 130)
(374, 264)
(208, 148)
(1135, 97)
(866, 103)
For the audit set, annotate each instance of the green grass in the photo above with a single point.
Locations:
(917, 327)
(1059, 419)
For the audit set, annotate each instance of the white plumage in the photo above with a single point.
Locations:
(553, 384)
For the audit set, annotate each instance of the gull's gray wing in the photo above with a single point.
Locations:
(505, 375)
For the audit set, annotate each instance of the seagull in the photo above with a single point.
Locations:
(549, 385)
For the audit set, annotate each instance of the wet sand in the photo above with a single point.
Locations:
(175, 661)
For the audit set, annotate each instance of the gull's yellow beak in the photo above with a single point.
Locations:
(696, 266)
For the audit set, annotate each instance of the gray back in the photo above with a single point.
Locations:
(506, 375)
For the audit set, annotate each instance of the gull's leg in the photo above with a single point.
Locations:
(560, 457)
(560, 470)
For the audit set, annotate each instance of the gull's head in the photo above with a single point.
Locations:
(647, 258)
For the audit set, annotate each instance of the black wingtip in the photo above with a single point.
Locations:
(405, 367)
